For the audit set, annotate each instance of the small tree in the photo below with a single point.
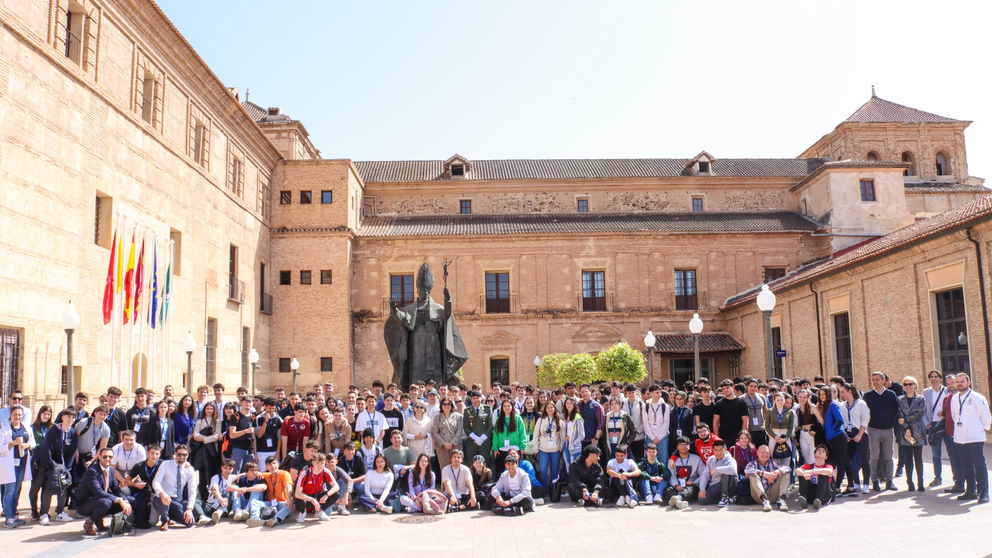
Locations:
(622, 363)
(547, 372)
(580, 368)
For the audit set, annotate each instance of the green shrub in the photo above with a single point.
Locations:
(580, 368)
(547, 372)
(622, 363)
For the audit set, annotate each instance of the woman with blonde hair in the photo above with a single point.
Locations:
(912, 432)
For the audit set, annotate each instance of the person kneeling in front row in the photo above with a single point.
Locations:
(769, 480)
(175, 490)
(622, 472)
(814, 479)
(511, 494)
(99, 494)
(586, 478)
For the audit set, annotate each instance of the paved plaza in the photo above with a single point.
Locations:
(888, 524)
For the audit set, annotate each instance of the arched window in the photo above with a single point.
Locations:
(943, 168)
(907, 157)
(872, 156)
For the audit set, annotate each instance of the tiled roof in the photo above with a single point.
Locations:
(256, 112)
(708, 343)
(978, 210)
(880, 110)
(848, 164)
(516, 169)
(449, 224)
(943, 187)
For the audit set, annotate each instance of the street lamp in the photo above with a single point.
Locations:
(766, 303)
(962, 339)
(295, 365)
(253, 359)
(189, 345)
(696, 327)
(649, 341)
(537, 364)
(70, 321)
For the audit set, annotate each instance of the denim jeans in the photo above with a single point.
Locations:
(240, 457)
(547, 465)
(12, 491)
(648, 489)
(251, 502)
(938, 467)
(663, 454)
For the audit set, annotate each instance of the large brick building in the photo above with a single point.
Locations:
(874, 238)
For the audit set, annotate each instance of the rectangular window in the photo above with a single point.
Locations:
(499, 371)
(401, 289)
(685, 290)
(325, 277)
(211, 351)
(704, 167)
(465, 206)
(326, 196)
(236, 287)
(306, 197)
(199, 155)
(867, 190)
(684, 369)
(842, 346)
(73, 36)
(11, 352)
(457, 170)
(103, 220)
(952, 332)
(245, 349)
(773, 273)
(285, 197)
(326, 364)
(697, 204)
(148, 97)
(285, 277)
(497, 293)
(583, 206)
(593, 291)
(305, 277)
(284, 365)
(177, 257)
(777, 346)
(237, 177)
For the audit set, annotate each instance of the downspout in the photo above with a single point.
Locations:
(985, 311)
(819, 337)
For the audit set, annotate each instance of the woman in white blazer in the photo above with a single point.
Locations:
(16, 443)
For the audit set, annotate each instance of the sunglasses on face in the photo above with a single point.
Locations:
(182, 455)
(17, 399)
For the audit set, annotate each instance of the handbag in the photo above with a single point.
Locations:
(554, 492)
(121, 525)
(935, 433)
(59, 479)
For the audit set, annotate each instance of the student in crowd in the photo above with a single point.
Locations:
(482, 480)
(248, 492)
(417, 430)
(399, 458)
(316, 490)
(295, 432)
(447, 428)
(593, 417)
(456, 481)
(378, 488)
(654, 475)
(205, 452)
(221, 499)
(99, 494)
(420, 495)
(509, 433)
(370, 418)
(780, 428)
(184, 418)
(912, 432)
(268, 431)
(42, 423)
(828, 413)
(338, 433)
(681, 422)
(548, 441)
(718, 482)
(635, 406)
(174, 488)
(511, 494)
(970, 412)
(622, 473)
(620, 428)
(127, 454)
(57, 449)
(344, 481)
(768, 480)
(686, 470)
(241, 436)
(730, 413)
(703, 410)
(117, 418)
(808, 427)
(703, 445)
(139, 414)
(756, 407)
(814, 479)
(884, 407)
(278, 495)
(856, 417)
(160, 429)
(16, 446)
(586, 478)
(94, 434)
(573, 431)
(934, 396)
(139, 484)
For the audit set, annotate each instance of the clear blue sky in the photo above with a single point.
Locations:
(383, 80)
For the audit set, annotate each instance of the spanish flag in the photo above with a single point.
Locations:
(120, 262)
(108, 289)
(129, 279)
(140, 280)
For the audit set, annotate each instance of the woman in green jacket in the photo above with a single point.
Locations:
(508, 433)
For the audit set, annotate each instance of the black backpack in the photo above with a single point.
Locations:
(59, 479)
(121, 525)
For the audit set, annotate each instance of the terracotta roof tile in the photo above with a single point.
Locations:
(978, 210)
(517, 169)
(449, 224)
(880, 110)
(682, 343)
(941, 187)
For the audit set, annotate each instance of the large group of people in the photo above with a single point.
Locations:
(434, 449)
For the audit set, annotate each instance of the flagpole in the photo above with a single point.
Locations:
(172, 271)
(161, 322)
(151, 307)
(113, 296)
(142, 369)
(120, 368)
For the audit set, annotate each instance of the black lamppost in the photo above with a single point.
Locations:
(189, 345)
(70, 321)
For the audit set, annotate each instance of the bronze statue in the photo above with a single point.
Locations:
(422, 338)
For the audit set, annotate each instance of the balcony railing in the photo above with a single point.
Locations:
(605, 303)
(266, 306)
(236, 290)
(72, 46)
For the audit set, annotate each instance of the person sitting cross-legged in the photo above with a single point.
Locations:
(249, 495)
(586, 478)
(622, 473)
(316, 489)
(769, 480)
(654, 476)
(278, 495)
(220, 501)
(511, 494)
(457, 482)
(718, 483)
(687, 469)
(814, 479)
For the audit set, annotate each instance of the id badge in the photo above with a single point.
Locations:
(754, 421)
(551, 442)
(678, 433)
(337, 451)
(137, 427)
(268, 442)
(17, 462)
(506, 443)
(614, 439)
(960, 424)
(682, 482)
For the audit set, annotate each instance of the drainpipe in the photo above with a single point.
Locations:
(819, 336)
(985, 311)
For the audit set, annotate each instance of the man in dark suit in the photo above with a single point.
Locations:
(99, 494)
(478, 420)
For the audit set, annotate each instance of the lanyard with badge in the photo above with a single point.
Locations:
(961, 403)
(615, 430)
(139, 419)
(684, 463)
(548, 431)
(458, 493)
(678, 421)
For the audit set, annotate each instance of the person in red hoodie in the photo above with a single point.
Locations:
(952, 449)
(704, 443)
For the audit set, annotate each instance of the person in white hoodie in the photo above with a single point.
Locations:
(635, 408)
(654, 424)
(970, 412)
(718, 483)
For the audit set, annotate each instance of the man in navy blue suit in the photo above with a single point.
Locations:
(99, 494)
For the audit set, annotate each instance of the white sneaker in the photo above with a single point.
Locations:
(255, 522)
(538, 501)
(621, 501)
(215, 517)
(64, 517)
(343, 510)
(681, 504)
(766, 506)
(237, 516)
(631, 503)
(865, 489)
(658, 499)
(204, 520)
(44, 519)
(322, 516)
(301, 517)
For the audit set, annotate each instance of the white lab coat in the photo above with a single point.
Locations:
(7, 455)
